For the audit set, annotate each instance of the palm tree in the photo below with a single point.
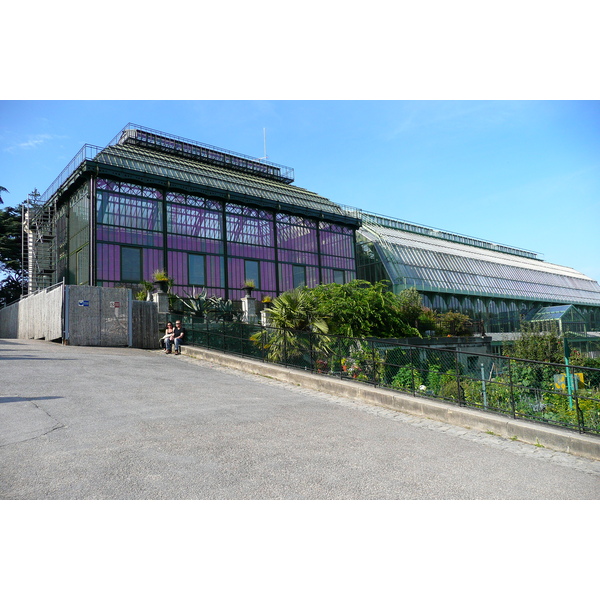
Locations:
(294, 318)
(3, 189)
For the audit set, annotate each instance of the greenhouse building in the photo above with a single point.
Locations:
(210, 218)
(494, 283)
(213, 219)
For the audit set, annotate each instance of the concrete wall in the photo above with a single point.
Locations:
(93, 316)
(144, 319)
(97, 316)
(35, 317)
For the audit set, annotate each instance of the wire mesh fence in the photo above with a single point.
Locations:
(557, 394)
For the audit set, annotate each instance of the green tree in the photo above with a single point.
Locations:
(535, 343)
(11, 272)
(293, 314)
(411, 306)
(2, 189)
(428, 319)
(297, 309)
(361, 309)
(454, 323)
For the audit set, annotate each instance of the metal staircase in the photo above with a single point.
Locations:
(40, 235)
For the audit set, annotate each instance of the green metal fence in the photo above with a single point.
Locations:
(556, 394)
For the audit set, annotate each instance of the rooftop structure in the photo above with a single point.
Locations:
(210, 217)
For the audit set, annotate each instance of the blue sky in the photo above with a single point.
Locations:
(522, 173)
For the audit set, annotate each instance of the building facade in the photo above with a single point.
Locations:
(208, 217)
(212, 219)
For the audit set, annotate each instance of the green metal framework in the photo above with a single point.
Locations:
(570, 321)
(497, 284)
(177, 200)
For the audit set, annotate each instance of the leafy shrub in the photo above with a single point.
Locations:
(407, 378)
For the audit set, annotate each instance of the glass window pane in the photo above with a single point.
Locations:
(196, 269)
(338, 276)
(252, 271)
(299, 275)
(82, 274)
(131, 264)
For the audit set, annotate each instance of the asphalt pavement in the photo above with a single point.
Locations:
(121, 423)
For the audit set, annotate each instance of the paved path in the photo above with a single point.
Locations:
(117, 423)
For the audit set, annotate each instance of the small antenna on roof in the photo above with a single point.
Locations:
(264, 144)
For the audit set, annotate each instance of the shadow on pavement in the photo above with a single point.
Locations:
(24, 399)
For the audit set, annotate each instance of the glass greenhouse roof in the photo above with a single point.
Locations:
(551, 313)
(436, 264)
(190, 171)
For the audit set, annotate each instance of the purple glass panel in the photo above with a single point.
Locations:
(192, 200)
(325, 226)
(312, 276)
(128, 188)
(296, 220)
(109, 262)
(249, 230)
(173, 197)
(294, 237)
(199, 245)
(336, 244)
(121, 235)
(286, 278)
(107, 184)
(177, 267)
(337, 262)
(255, 252)
(303, 258)
(126, 211)
(267, 278)
(214, 271)
(194, 221)
(329, 275)
(152, 260)
(237, 276)
(248, 211)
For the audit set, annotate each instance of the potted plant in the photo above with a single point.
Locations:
(267, 301)
(163, 281)
(249, 286)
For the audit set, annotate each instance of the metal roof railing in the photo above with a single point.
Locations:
(87, 152)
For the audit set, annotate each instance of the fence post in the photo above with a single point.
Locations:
(412, 370)
(483, 390)
(580, 419)
(458, 388)
(375, 377)
(512, 391)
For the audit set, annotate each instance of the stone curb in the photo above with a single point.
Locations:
(525, 431)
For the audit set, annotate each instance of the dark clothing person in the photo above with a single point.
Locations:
(175, 338)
